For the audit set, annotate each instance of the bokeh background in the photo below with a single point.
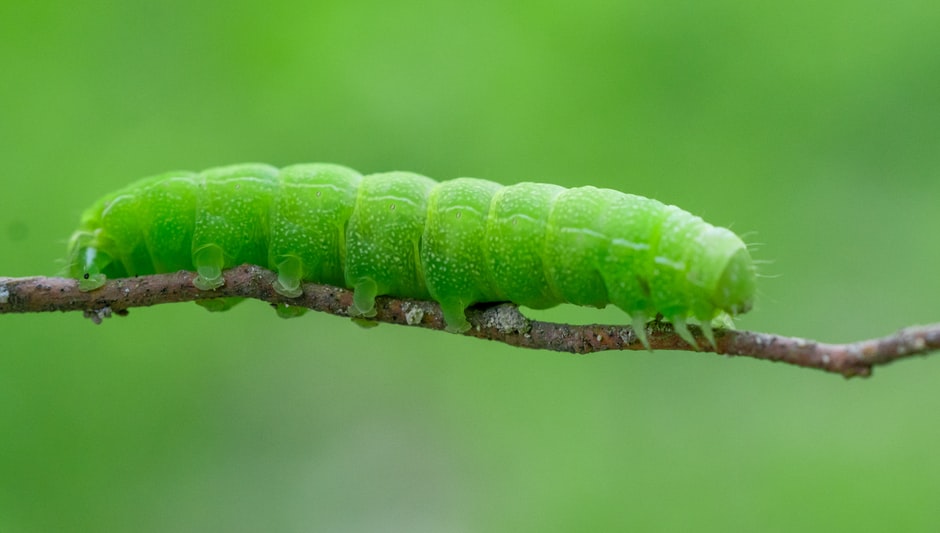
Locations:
(811, 128)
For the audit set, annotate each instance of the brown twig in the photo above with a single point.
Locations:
(501, 322)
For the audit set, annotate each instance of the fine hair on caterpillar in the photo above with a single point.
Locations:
(459, 242)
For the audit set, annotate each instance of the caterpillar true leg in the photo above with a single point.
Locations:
(681, 328)
(638, 321)
(708, 332)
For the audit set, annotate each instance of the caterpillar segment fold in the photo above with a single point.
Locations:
(459, 242)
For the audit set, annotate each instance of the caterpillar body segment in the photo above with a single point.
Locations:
(310, 213)
(460, 242)
(384, 238)
(456, 260)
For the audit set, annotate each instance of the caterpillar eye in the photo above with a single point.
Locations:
(87, 275)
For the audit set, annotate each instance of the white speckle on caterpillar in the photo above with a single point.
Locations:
(639, 246)
(4, 294)
(676, 265)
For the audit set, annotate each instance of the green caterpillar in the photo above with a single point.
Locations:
(460, 242)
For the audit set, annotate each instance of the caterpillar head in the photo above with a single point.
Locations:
(87, 262)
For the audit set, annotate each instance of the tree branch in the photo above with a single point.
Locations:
(499, 322)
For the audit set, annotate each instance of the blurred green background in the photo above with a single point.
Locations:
(811, 128)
